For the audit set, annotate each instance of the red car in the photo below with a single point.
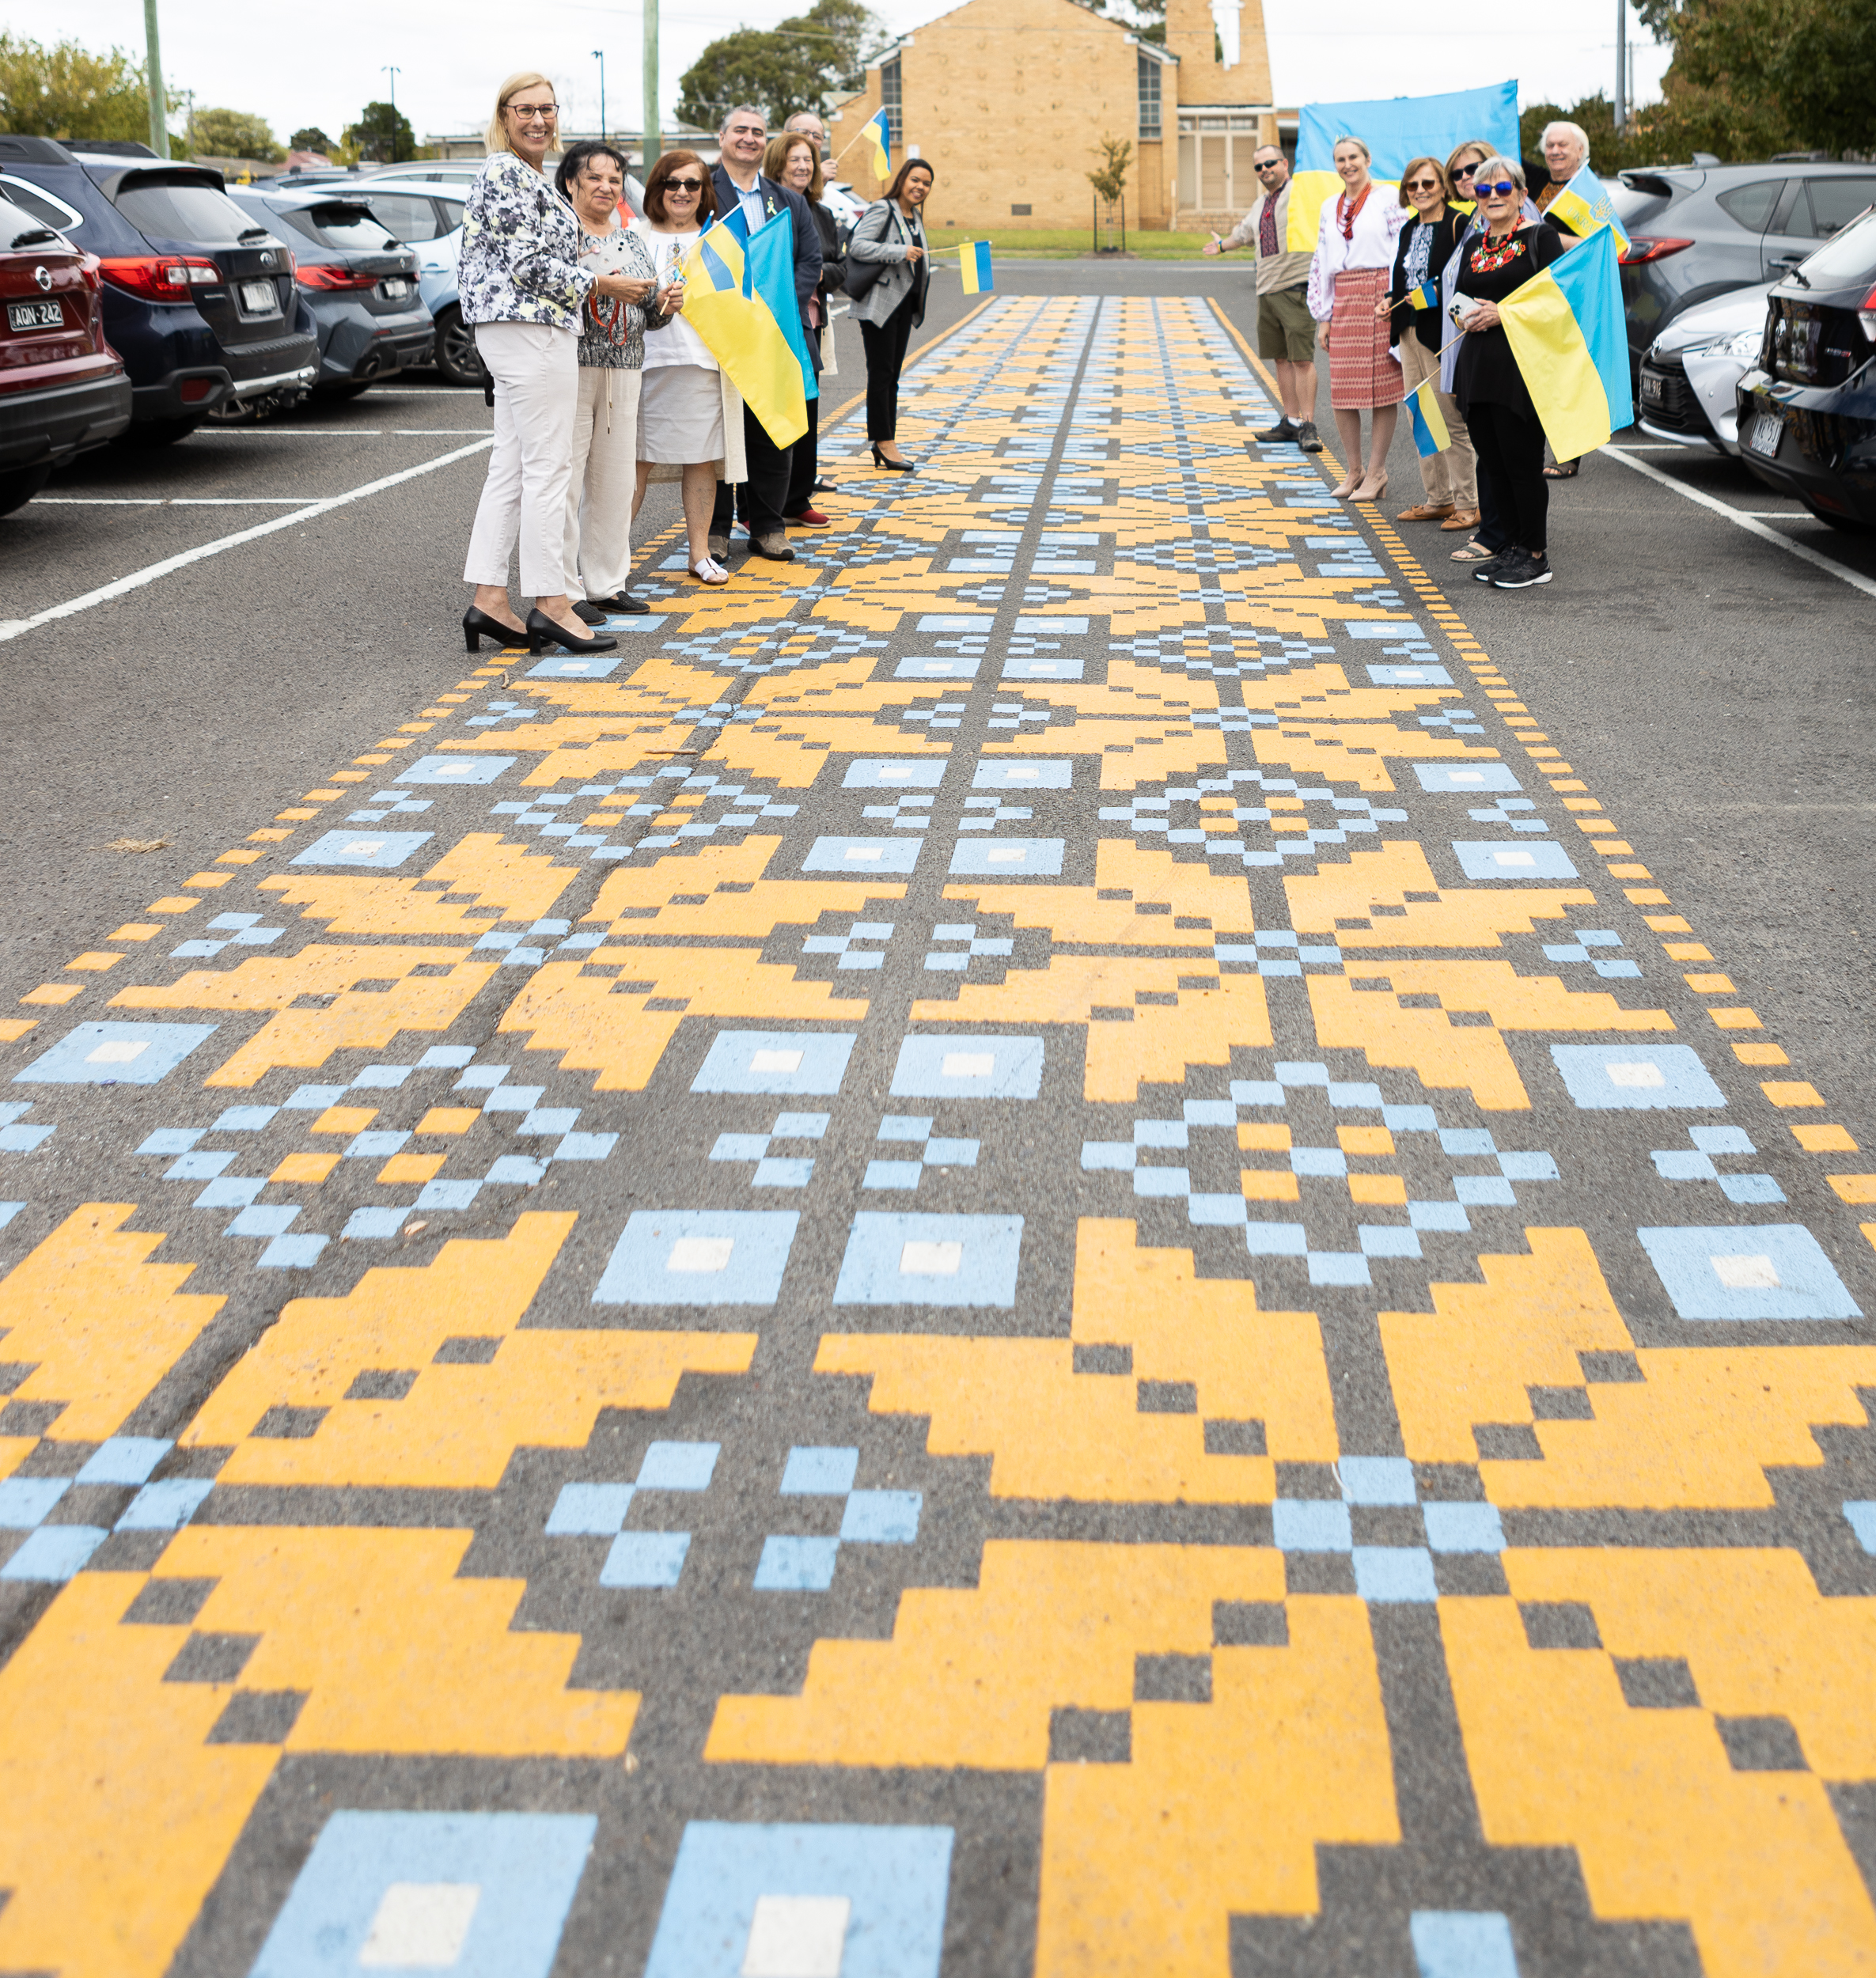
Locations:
(62, 388)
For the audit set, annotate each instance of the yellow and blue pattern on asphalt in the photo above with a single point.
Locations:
(1025, 1248)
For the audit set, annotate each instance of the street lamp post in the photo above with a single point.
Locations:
(654, 142)
(599, 55)
(1621, 63)
(159, 101)
(393, 72)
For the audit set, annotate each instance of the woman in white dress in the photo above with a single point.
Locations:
(603, 490)
(690, 415)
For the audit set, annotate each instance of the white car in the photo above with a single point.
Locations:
(840, 198)
(1690, 370)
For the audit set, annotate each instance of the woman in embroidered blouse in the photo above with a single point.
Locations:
(523, 289)
(605, 438)
(1491, 392)
(1354, 254)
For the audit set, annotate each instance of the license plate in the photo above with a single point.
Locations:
(1763, 436)
(1652, 394)
(34, 316)
(396, 289)
(258, 298)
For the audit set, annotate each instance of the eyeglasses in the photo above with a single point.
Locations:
(1464, 170)
(1423, 185)
(1265, 165)
(1494, 188)
(529, 112)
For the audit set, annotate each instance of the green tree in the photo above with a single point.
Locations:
(311, 138)
(795, 66)
(382, 134)
(1116, 155)
(234, 133)
(65, 91)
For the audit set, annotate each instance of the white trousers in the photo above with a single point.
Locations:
(536, 373)
(598, 551)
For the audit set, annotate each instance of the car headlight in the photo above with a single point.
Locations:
(1743, 344)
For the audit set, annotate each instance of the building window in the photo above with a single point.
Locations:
(890, 102)
(1148, 99)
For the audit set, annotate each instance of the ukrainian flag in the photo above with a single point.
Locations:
(1584, 204)
(974, 258)
(1429, 433)
(769, 261)
(879, 128)
(1566, 332)
(741, 333)
(1425, 297)
(1394, 129)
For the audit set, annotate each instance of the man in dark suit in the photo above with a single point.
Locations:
(740, 181)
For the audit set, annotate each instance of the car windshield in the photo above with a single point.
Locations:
(187, 211)
(1848, 258)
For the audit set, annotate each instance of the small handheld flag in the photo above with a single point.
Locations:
(1429, 433)
(1425, 297)
(879, 128)
(1584, 204)
(974, 258)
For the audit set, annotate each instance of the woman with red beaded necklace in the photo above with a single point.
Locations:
(1354, 256)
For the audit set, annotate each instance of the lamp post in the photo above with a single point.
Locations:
(654, 142)
(159, 101)
(1621, 64)
(599, 55)
(393, 72)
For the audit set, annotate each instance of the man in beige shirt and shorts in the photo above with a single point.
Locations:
(1286, 331)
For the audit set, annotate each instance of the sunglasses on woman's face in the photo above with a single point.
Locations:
(1423, 185)
(1491, 189)
(683, 185)
(1464, 170)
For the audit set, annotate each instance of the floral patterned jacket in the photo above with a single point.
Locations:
(520, 261)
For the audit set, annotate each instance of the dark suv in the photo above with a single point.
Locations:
(1807, 409)
(1697, 230)
(200, 298)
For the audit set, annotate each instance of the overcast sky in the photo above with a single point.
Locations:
(320, 66)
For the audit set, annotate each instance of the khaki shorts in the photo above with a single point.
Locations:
(1286, 330)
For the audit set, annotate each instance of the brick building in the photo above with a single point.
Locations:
(1009, 98)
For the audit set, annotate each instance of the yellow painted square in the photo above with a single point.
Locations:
(94, 958)
(1736, 1019)
(1791, 1092)
(13, 1028)
(1856, 1189)
(1760, 1054)
(1365, 1140)
(208, 880)
(175, 904)
(448, 1119)
(411, 1167)
(304, 1167)
(1824, 1138)
(1685, 951)
(1377, 1187)
(345, 1120)
(241, 858)
(136, 930)
(1627, 872)
(323, 796)
(1667, 923)
(1610, 847)
(1264, 1136)
(268, 836)
(54, 992)
(1711, 985)
(1269, 1185)
(298, 815)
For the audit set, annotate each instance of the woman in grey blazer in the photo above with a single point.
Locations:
(891, 231)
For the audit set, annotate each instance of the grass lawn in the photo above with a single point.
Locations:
(1066, 243)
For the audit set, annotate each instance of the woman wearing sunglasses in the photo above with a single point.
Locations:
(1354, 254)
(524, 290)
(1426, 244)
(1507, 435)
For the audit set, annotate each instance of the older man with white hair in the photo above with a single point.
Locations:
(1566, 149)
(807, 124)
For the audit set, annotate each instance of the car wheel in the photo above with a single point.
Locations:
(157, 432)
(457, 356)
(1847, 523)
(17, 488)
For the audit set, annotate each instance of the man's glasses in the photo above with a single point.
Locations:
(529, 112)
(1265, 165)
(1494, 189)
(1423, 185)
(683, 185)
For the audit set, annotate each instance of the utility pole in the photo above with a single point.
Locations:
(599, 55)
(159, 101)
(393, 72)
(191, 95)
(654, 142)
(1621, 64)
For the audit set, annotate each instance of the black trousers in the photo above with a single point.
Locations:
(1514, 500)
(762, 497)
(885, 357)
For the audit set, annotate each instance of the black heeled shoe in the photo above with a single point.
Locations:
(892, 466)
(622, 604)
(477, 626)
(543, 633)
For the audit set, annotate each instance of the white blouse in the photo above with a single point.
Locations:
(677, 343)
(1376, 228)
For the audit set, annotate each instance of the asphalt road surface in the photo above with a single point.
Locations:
(1114, 1231)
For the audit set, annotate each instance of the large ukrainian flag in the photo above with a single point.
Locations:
(1566, 332)
(1584, 204)
(741, 333)
(1394, 129)
(769, 259)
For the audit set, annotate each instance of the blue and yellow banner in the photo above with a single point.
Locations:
(974, 258)
(1394, 129)
(769, 260)
(1431, 435)
(1566, 332)
(1425, 297)
(741, 331)
(879, 129)
(1584, 204)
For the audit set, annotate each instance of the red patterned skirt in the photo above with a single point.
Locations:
(1361, 374)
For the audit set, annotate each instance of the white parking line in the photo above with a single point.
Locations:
(13, 627)
(173, 501)
(1750, 523)
(442, 432)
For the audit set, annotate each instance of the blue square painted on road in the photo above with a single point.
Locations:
(930, 1259)
(973, 1067)
(1491, 858)
(1426, 674)
(115, 1054)
(699, 1256)
(1752, 1270)
(1007, 858)
(456, 769)
(1040, 666)
(819, 1471)
(938, 666)
(860, 857)
(1459, 1943)
(566, 666)
(863, 1902)
(480, 1895)
(647, 1559)
(776, 1061)
(893, 772)
(379, 849)
(1030, 772)
(792, 1565)
(1466, 777)
(1605, 1077)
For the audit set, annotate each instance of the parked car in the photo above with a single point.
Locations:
(62, 388)
(1690, 376)
(360, 282)
(199, 299)
(1700, 230)
(1807, 409)
(840, 199)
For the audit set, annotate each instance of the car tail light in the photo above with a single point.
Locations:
(159, 277)
(1650, 248)
(323, 275)
(1867, 316)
